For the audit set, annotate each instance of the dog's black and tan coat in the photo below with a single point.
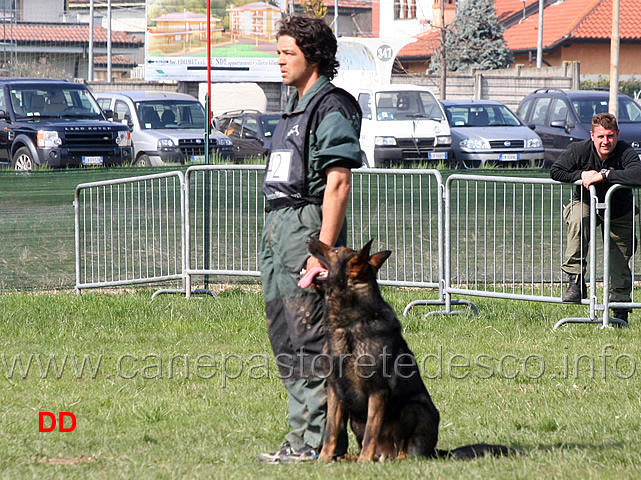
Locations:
(373, 378)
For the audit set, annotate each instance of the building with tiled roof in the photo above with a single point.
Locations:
(63, 46)
(580, 30)
(256, 19)
(573, 30)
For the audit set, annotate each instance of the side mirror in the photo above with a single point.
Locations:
(531, 126)
(4, 115)
(558, 124)
(215, 124)
(109, 113)
(250, 135)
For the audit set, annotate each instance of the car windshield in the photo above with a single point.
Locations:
(268, 123)
(407, 105)
(586, 108)
(53, 102)
(481, 116)
(183, 114)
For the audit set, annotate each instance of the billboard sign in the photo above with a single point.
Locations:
(243, 41)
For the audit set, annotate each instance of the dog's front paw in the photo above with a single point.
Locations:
(325, 457)
(364, 459)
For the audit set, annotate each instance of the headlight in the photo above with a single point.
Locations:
(385, 141)
(48, 139)
(165, 143)
(224, 141)
(474, 144)
(124, 138)
(443, 140)
(533, 143)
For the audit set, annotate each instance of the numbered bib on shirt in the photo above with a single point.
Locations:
(278, 167)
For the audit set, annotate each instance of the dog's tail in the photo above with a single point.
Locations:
(475, 451)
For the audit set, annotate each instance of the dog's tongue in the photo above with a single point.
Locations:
(307, 279)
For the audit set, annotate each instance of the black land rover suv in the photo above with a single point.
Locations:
(57, 123)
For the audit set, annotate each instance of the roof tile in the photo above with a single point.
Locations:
(63, 33)
(577, 19)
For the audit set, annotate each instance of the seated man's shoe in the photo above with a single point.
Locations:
(620, 314)
(577, 290)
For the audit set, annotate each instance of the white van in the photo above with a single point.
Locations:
(403, 125)
(165, 127)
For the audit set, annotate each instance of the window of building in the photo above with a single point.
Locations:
(404, 9)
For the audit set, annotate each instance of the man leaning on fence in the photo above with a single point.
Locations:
(602, 161)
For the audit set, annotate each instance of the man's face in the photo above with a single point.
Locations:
(293, 67)
(604, 139)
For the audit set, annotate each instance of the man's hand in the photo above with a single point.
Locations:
(590, 177)
(312, 262)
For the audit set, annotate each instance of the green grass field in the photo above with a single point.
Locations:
(177, 388)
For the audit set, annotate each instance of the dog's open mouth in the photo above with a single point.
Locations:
(314, 275)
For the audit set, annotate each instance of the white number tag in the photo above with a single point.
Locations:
(278, 167)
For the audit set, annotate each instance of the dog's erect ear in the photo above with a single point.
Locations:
(363, 255)
(378, 259)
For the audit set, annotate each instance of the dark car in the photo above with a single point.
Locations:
(561, 117)
(249, 130)
(57, 123)
(487, 132)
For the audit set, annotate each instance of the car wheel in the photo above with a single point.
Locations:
(143, 161)
(23, 161)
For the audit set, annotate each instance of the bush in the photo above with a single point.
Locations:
(631, 88)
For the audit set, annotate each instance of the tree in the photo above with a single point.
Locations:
(474, 40)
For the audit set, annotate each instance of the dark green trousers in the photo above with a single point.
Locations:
(295, 323)
(577, 216)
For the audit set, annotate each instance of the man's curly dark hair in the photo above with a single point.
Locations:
(315, 39)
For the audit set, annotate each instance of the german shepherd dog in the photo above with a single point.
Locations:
(373, 377)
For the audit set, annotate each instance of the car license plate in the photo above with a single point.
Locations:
(197, 159)
(95, 160)
(509, 157)
(437, 155)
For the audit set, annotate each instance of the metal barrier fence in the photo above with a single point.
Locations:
(475, 235)
(505, 238)
(224, 217)
(129, 231)
(400, 209)
(635, 263)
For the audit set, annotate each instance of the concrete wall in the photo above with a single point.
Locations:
(508, 86)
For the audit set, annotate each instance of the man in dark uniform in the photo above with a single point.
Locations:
(601, 161)
(307, 184)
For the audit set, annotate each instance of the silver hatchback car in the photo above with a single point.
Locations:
(488, 132)
(166, 127)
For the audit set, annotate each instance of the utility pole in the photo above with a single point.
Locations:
(443, 83)
(90, 66)
(539, 43)
(109, 75)
(614, 59)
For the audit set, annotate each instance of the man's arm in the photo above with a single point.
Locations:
(631, 172)
(565, 168)
(334, 207)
